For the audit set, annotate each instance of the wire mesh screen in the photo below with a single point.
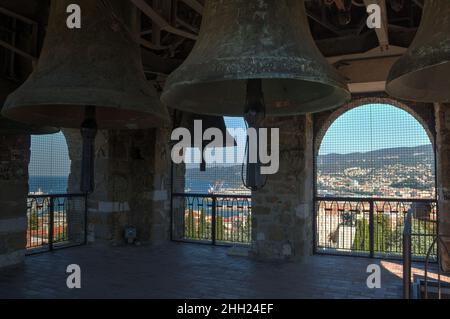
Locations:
(376, 163)
(49, 166)
(55, 221)
(376, 150)
(213, 205)
(345, 227)
(223, 178)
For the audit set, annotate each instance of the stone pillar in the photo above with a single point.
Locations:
(14, 159)
(443, 175)
(178, 203)
(75, 206)
(282, 212)
(132, 184)
(160, 194)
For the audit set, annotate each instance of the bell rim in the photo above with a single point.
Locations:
(170, 86)
(15, 132)
(125, 124)
(341, 91)
(396, 78)
(294, 73)
(340, 96)
(18, 128)
(150, 113)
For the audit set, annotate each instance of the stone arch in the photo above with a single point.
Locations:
(423, 113)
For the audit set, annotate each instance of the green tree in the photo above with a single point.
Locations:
(203, 227)
(220, 229)
(383, 234)
(362, 237)
(34, 221)
(189, 225)
(421, 239)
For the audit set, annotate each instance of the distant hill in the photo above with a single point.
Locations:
(231, 172)
(406, 156)
(336, 164)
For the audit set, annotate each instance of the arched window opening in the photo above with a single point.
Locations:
(375, 165)
(212, 204)
(49, 166)
(55, 218)
(376, 150)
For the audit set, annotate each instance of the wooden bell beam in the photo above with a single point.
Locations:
(159, 21)
(11, 46)
(383, 32)
(195, 5)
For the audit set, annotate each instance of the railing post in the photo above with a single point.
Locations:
(213, 219)
(372, 229)
(407, 257)
(51, 222)
(86, 225)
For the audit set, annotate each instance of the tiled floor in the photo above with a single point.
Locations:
(193, 271)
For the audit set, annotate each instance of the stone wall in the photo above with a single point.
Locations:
(282, 211)
(443, 174)
(132, 179)
(14, 159)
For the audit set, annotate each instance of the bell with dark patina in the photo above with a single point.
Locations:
(423, 73)
(90, 77)
(266, 40)
(9, 127)
(97, 66)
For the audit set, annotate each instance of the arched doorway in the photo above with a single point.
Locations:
(49, 166)
(54, 217)
(212, 205)
(375, 162)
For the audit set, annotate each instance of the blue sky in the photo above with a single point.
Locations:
(362, 129)
(49, 156)
(365, 128)
(372, 127)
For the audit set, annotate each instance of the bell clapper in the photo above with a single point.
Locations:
(255, 108)
(88, 133)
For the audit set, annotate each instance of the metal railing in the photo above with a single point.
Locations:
(439, 242)
(407, 256)
(408, 284)
(56, 221)
(373, 227)
(212, 219)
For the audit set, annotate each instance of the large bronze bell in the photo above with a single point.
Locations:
(423, 73)
(267, 40)
(9, 127)
(97, 66)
